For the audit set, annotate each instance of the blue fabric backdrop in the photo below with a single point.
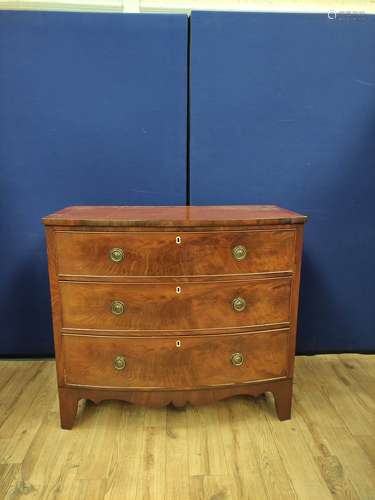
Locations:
(283, 112)
(92, 111)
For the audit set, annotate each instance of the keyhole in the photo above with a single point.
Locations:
(178, 289)
(178, 240)
(178, 343)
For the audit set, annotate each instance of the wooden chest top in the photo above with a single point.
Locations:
(173, 216)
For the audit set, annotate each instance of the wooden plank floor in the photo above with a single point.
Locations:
(235, 449)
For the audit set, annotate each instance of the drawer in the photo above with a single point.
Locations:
(174, 363)
(174, 254)
(165, 306)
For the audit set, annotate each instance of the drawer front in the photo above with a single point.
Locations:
(174, 254)
(163, 307)
(174, 363)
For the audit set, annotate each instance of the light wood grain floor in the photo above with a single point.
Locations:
(235, 449)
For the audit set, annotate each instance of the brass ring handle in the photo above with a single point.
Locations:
(239, 252)
(117, 307)
(119, 363)
(237, 359)
(239, 304)
(116, 254)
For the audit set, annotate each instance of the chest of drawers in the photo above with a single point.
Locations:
(159, 305)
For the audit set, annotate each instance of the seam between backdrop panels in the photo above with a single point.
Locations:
(188, 96)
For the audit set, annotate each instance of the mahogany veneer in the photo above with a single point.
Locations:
(81, 253)
(159, 305)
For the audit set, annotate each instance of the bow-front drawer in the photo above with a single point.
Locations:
(174, 363)
(165, 306)
(117, 254)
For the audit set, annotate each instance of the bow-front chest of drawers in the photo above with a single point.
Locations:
(159, 305)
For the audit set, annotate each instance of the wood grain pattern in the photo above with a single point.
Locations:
(159, 307)
(233, 449)
(147, 216)
(158, 363)
(55, 299)
(295, 298)
(158, 254)
(281, 389)
(177, 283)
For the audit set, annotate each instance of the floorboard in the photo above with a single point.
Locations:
(232, 450)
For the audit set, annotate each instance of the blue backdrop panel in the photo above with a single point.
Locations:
(92, 111)
(283, 112)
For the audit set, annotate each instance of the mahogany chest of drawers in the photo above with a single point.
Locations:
(159, 305)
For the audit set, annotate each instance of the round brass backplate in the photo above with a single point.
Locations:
(237, 359)
(239, 304)
(117, 254)
(239, 252)
(117, 307)
(119, 363)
